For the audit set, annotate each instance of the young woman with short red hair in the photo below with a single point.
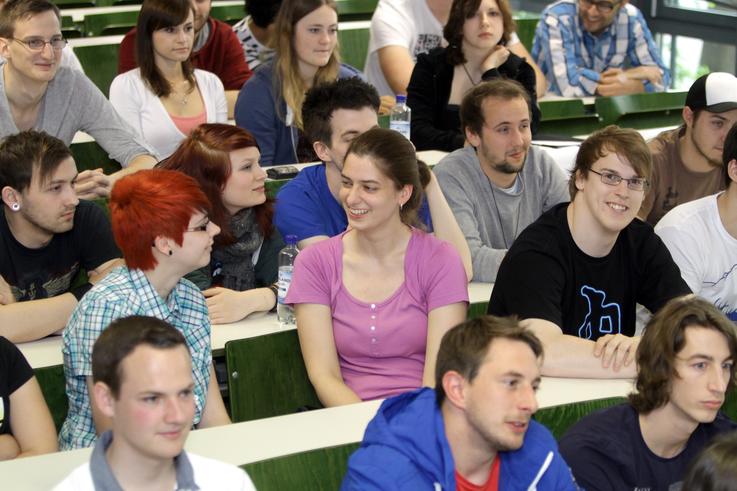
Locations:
(161, 223)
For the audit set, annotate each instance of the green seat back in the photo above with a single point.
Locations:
(273, 186)
(730, 405)
(559, 418)
(650, 110)
(100, 63)
(51, 380)
(526, 30)
(317, 470)
(228, 13)
(355, 9)
(267, 377)
(477, 309)
(90, 155)
(107, 24)
(354, 46)
(69, 28)
(567, 118)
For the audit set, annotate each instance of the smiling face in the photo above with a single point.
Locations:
(505, 137)
(703, 369)
(315, 38)
(706, 132)
(47, 208)
(153, 412)
(500, 400)
(197, 241)
(370, 198)
(608, 209)
(593, 19)
(245, 186)
(174, 43)
(33, 66)
(485, 28)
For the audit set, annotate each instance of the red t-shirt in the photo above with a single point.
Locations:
(491, 484)
(222, 55)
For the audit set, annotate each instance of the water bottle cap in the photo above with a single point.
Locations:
(401, 98)
(291, 239)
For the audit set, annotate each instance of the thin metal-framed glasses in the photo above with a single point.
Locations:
(603, 7)
(612, 179)
(200, 228)
(38, 44)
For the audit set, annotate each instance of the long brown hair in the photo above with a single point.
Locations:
(155, 15)
(205, 155)
(287, 82)
(460, 12)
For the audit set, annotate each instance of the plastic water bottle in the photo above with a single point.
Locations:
(400, 117)
(284, 312)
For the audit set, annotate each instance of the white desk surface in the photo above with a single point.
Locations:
(253, 441)
(47, 352)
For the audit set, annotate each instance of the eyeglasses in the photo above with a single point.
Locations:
(200, 228)
(38, 44)
(603, 7)
(612, 179)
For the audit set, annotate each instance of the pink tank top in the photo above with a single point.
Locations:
(186, 124)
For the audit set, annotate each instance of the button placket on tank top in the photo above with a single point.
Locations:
(373, 332)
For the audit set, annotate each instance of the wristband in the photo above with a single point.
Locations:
(275, 290)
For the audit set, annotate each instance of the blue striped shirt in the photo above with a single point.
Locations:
(573, 59)
(121, 293)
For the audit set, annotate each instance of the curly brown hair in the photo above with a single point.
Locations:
(664, 338)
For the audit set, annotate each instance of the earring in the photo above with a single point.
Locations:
(15, 206)
(400, 206)
(171, 252)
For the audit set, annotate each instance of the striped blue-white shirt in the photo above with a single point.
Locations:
(573, 59)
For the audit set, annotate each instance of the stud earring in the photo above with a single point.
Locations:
(171, 252)
(15, 206)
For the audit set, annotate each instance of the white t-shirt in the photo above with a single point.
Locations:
(407, 23)
(209, 474)
(704, 251)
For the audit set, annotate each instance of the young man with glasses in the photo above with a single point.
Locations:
(37, 93)
(597, 47)
(578, 272)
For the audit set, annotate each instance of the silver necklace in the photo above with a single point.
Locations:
(499, 215)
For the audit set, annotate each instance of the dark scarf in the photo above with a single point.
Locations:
(236, 259)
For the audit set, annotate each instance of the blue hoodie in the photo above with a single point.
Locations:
(256, 111)
(405, 448)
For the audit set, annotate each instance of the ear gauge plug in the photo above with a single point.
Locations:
(15, 206)
(171, 252)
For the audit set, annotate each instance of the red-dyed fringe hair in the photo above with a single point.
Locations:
(205, 155)
(149, 204)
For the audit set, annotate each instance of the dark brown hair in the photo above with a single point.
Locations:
(729, 153)
(205, 156)
(472, 110)
(395, 157)
(155, 15)
(322, 100)
(625, 142)
(664, 338)
(14, 10)
(27, 152)
(464, 347)
(715, 469)
(121, 338)
(462, 10)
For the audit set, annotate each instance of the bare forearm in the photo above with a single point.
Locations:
(9, 448)
(260, 299)
(333, 392)
(35, 319)
(141, 162)
(570, 356)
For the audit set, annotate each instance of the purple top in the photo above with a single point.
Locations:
(381, 346)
